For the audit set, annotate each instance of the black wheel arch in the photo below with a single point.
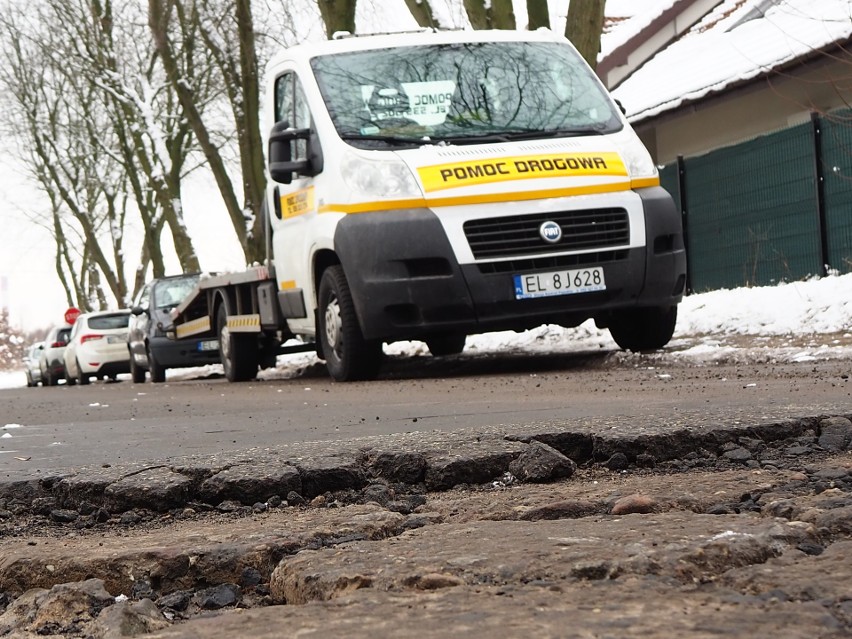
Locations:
(321, 261)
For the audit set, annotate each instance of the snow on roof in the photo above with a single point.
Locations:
(737, 41)
(626, 18)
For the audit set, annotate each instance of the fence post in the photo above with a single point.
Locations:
(820, 193)
(684, 217)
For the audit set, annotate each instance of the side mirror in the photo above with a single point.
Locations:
(281, 163)
(137, 310)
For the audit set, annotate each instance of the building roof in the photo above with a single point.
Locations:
(737, 41)
(630, 41)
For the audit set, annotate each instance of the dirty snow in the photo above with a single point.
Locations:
(792, 322)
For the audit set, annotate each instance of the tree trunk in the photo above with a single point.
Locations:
(248, 133)
(583, 28)
(538, 14)
(337, 15)
(422, 12)
(504, 14)
(497, 14)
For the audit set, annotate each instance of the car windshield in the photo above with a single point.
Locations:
(462, 94)
(170, 293)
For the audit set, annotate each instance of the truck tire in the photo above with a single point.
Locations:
(446, 344)
(238, 351)
(158, 372)
(643, 329)
(348, 355)
(137, 374)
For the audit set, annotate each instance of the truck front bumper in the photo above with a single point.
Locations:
(407, 284)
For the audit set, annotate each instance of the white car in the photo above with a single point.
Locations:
(97, 347)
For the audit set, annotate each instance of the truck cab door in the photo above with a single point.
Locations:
(295, 158)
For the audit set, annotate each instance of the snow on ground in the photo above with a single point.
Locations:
(793, 322)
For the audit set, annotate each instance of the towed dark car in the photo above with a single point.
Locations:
(150, 349)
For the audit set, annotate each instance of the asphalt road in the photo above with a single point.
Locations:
(48, 430)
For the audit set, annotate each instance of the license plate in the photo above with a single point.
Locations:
(117, 339)
(208, 345)
(570, 282)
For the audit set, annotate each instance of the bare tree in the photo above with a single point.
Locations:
(583, 28)
(224, 30)
(57, 115)
(117, 57)
(104, 137)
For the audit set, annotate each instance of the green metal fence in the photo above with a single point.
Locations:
(836, 164)
(758, 213)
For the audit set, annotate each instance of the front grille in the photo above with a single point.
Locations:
(553, 262)
(519, 234)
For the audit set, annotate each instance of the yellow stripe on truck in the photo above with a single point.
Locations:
(193, 327)
(476, 172)
(244, 323)
(488, 198)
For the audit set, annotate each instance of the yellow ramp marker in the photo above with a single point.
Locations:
(193, 327)
(244, 323)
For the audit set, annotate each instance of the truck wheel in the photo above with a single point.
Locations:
(348, 355)
(446, 344)
(238, 351)
(158, 372)
(643, 329)
(82, 378)
(137, 374)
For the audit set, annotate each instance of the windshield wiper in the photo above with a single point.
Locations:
(480, 138)
(551, 133)
(509, 135)
(390, 139)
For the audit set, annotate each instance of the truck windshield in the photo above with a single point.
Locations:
(462, 94)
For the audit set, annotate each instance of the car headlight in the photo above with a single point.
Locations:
(385, 178)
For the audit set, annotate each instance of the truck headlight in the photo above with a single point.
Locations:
(637, 160)
(385, 178)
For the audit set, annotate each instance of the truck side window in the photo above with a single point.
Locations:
(292, 107)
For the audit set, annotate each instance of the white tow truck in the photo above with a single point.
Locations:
(434, 185)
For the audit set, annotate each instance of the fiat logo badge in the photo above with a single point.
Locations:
(550, 232)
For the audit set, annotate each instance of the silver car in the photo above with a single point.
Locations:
(31, 364)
